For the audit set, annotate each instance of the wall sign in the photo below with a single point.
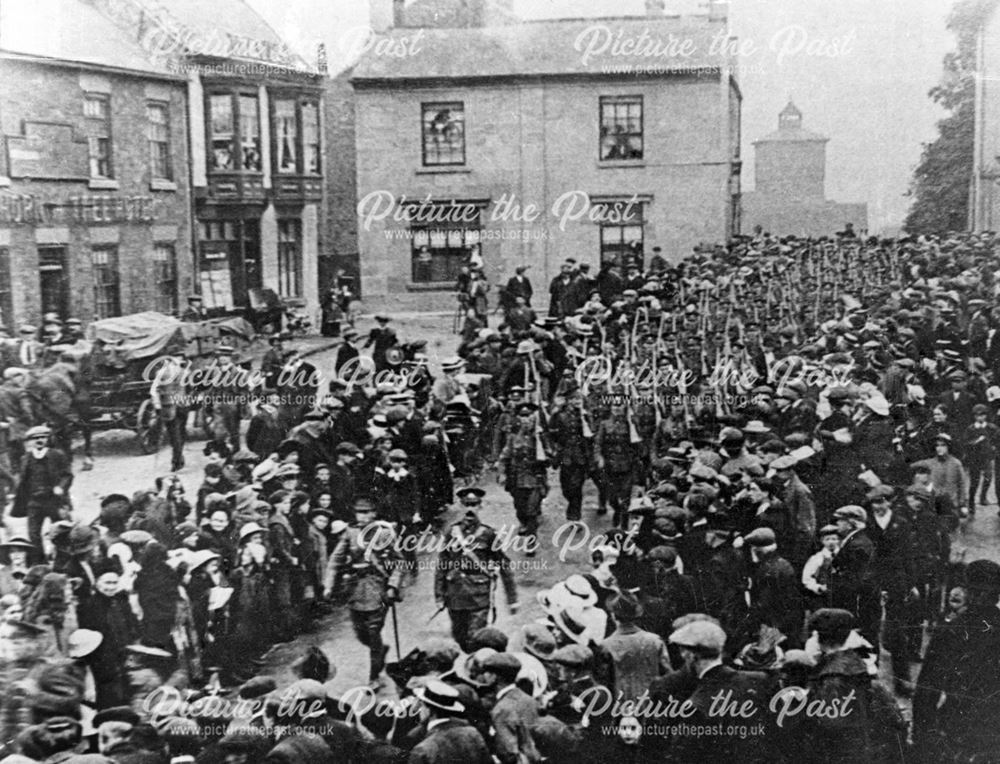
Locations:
(35, 210)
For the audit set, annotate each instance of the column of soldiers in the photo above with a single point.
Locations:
(784, 431)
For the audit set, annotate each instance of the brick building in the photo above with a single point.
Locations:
(790, 190)
(159, 146)
(456, 139)
(256, 145)
(94, 195)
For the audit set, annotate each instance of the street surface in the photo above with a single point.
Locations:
(120, 468)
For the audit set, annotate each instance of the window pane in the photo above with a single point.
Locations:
(620, 128)
(165, 277)
(444, 133)
(439, 252)
(290, 258)
(286, 133)
(250, 133)
(104, 262)
(158, 136)
(310, 137)
(221, 107)
(96, 110)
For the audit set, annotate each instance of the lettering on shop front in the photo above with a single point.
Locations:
(32, 210)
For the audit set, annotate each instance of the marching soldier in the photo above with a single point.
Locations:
(368, 563)
(570, 433)
(616, 458)
(523, 467)
(467, 570)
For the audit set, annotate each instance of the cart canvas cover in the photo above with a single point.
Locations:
(140, 335)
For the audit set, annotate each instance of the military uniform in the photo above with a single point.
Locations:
(526, 478)
(467, 568)
(573, 457)
(370, 568)
(613, 445)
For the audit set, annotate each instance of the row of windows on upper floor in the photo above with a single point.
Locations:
(620, 131)
(233, 135)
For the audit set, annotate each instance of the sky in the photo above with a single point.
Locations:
(859, 70)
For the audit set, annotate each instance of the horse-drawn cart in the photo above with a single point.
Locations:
(123, 360)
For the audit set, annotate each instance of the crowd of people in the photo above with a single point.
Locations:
(783, 435)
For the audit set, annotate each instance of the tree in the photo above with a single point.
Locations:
(940, 186)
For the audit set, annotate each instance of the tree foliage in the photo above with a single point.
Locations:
(940, 186)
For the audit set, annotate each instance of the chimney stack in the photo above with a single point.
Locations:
(398, 18)
(656, 8)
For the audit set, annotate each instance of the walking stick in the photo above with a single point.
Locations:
(395, 631)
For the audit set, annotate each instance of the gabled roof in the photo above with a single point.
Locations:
(551, 47)
(71, 30)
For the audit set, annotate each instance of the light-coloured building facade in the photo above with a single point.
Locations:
(512, 144)
(984, 202)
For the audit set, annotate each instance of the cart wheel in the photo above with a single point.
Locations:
(147, 428)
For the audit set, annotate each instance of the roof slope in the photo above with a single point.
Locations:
(71, 30)
(549, 47)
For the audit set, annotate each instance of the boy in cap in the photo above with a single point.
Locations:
(980, 449)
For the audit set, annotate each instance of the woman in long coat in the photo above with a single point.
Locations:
(157, 587)
(109, 613)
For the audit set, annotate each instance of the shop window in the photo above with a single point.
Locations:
(439, 250)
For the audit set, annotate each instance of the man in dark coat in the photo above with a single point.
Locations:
(894, 573)
(747, 693)
(43, 491)
(774, 589)
(515, 714)
(559, 287)
(840, 677)
(851, 583)
(450, 738)
(519, 286)
(967, 697)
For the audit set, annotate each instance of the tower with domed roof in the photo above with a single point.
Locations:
(790, 195)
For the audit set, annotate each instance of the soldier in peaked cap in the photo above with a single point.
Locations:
(368, 563)
(523, 467)
(467, 571)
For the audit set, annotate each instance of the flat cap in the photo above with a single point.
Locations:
(700, 634)
(851, 512)
(504, 664)
(760, 537)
